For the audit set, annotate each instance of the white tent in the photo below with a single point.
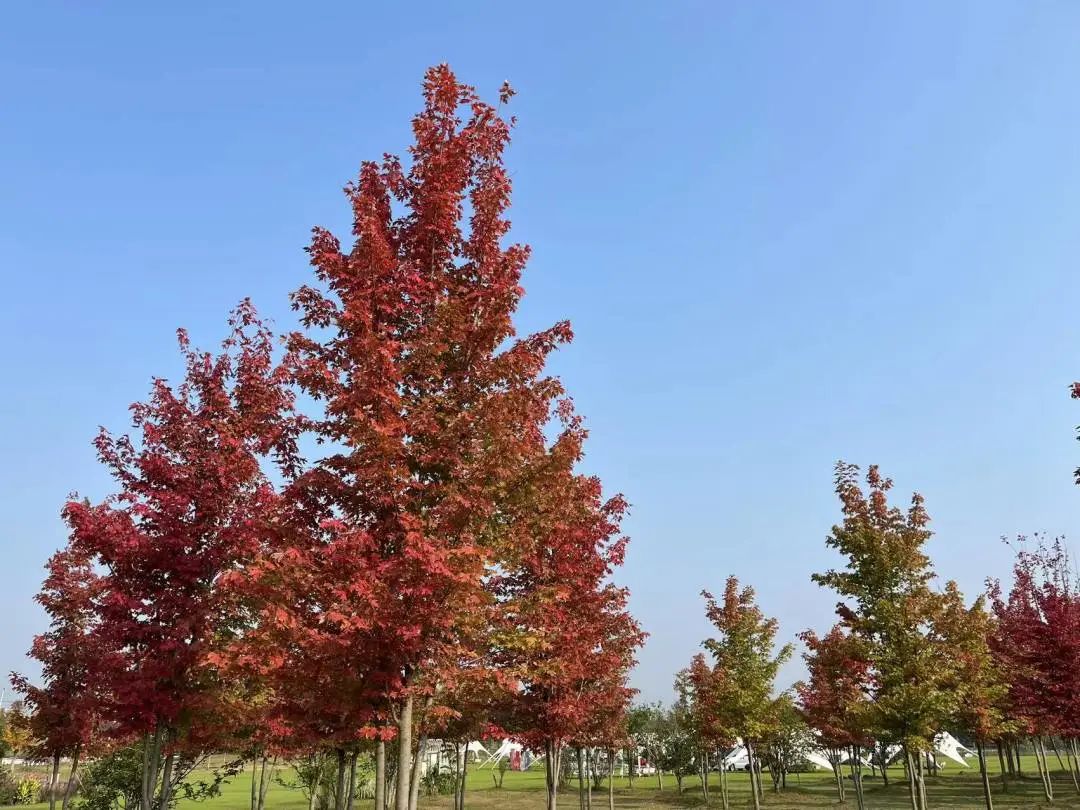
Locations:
(478, 749)
(817, 758)
(507, 748)
(949, 747)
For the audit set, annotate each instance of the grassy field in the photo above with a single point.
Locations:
(954, 788)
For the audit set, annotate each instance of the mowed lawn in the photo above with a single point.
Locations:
(955, 787)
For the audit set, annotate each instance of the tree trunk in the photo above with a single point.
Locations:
(754, 789)
(611, 779)
(69, 790)
(856, 776)
(55, 781)
(267, 783)
(351, 800)
(581, 778)
(414, 779)
(404, 766)
(913, 787)
(838, 775)
(1044, 771)
(723, 785)
(1064, 767)
(1001, 764)
(705, 775)
(380, 775)
(166, 781)
(339, 785)
(921, 778)
(883, 759)
(588, 777)
(151, 763)
(985, 778)
(1057, 754)
(552, 758)
(1075, 764)
(255, 780)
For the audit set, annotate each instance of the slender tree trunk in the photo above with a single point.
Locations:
(754, 788)
(265, 779)
(69, 790)
(913, 787)
(340, 786)
(705, 775)
(838, 775)
(659, 778)
(151, 763)
(166, 781)
(985, 777)
(380, 775)
(254, 782)
(1065, 767)
(414, 781)
(1075, 764)
(856, 776)
(921, 777)
(723, 785)
(1001, 765)
(1044, 771)
(553, 764)
(351, 802)
(611, 779)
(581, 778)
(588, 777)
(883, 756)
(1054, 748)
(54, 783)
(404, 766)
(464, 773)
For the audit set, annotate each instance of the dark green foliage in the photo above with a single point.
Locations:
(114, 782)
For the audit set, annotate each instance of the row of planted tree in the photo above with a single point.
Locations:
(905, 662)
(379, 535)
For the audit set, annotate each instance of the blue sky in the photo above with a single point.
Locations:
(785, 233)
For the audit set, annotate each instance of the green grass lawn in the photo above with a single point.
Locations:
(955, 787)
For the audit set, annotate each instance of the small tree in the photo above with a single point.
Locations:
(678, 748)
(887, 602)
(747, 661)
(980, 686)
(64, 712)
(834, 700)
(786, 740)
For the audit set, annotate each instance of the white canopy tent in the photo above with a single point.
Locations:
(507, 749)
(951, 748)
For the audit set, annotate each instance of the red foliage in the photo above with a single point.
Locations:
(64, 713)
(192, 505)
(1037, 643)
(833, 699)
(429, 404)
(575, 639)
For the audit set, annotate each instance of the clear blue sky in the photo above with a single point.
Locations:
(786, 233)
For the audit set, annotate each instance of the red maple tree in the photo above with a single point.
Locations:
(833, 699)
(428, 400)
(192, 506)
(63, 712)
(573, 639)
